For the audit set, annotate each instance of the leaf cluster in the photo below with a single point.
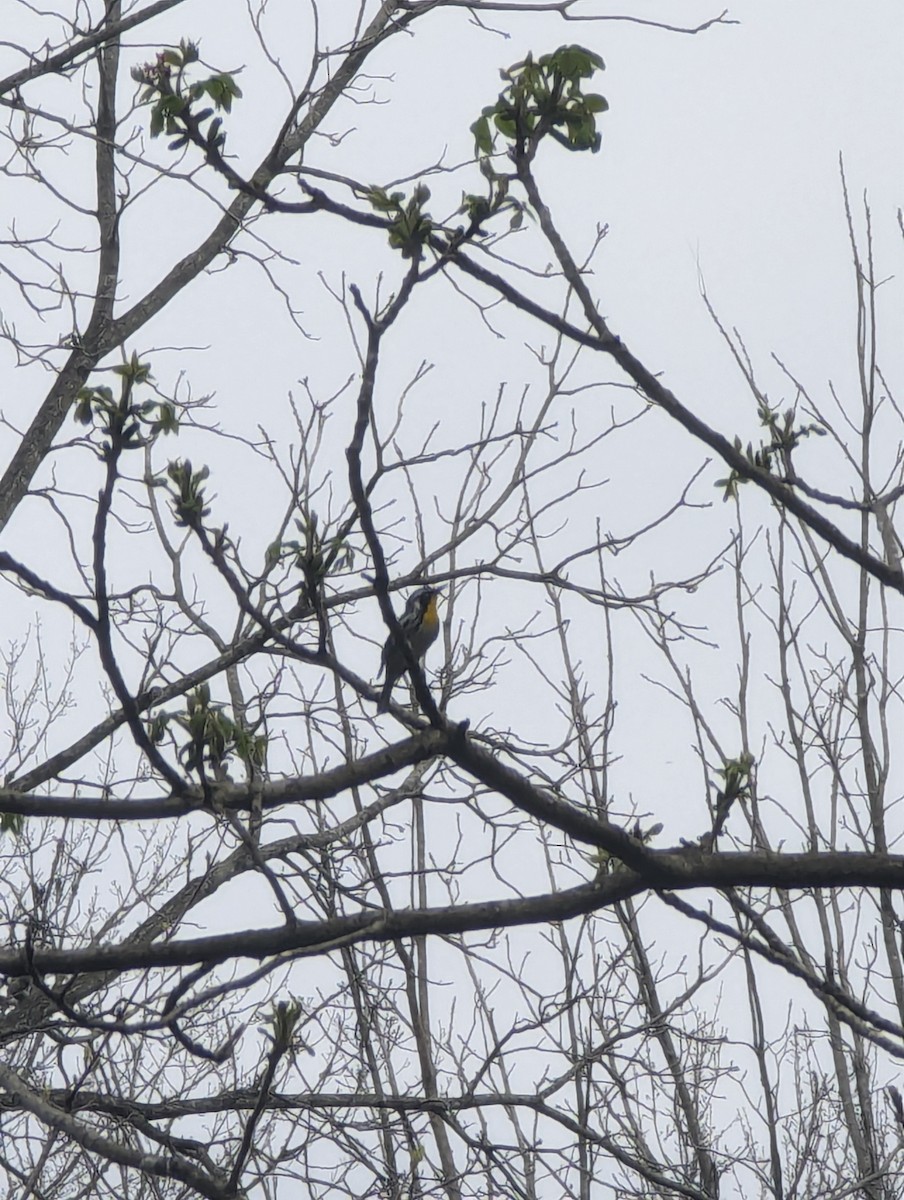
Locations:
(545, 97)
(12, 823)
(784, 438)
(213, 737)
(410, 225)
(737, 774)
(125, 424)
(187, 493)
(479, 208)
(315, 553)
(173, 98)
(280, 1026)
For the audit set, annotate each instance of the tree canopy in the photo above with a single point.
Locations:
(303, 309)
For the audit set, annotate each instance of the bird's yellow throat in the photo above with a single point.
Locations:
(431, 616)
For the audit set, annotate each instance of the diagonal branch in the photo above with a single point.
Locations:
(603, 340)
(170, 1167)
(103, 334)
(105, 32)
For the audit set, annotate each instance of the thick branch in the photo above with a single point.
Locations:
(233, 797)
(669, 870)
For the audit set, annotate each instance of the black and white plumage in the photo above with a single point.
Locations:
(420, 626)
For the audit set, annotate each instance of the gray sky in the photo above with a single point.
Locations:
(719, 165)
(719, 162)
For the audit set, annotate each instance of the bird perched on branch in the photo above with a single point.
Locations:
(419, 625)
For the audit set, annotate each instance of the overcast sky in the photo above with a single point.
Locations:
(719, 166)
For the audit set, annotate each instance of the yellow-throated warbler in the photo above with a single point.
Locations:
(419, 624)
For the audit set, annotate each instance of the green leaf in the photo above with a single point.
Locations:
(171, 105)
(576, 62)
(12, 823)
(137, 371)
(223, 89)
(83, 412)
(483, 139)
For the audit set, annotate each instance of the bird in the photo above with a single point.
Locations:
(419, 624)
